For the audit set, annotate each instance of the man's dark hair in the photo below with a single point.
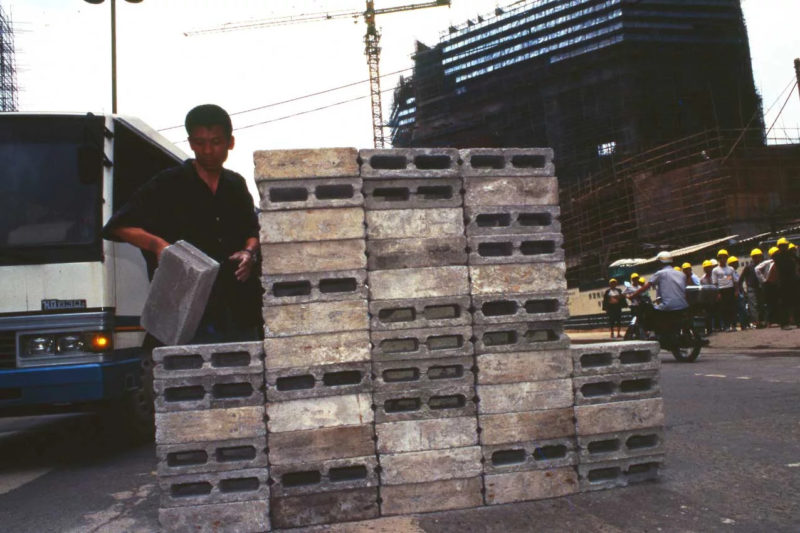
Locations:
(208, 115)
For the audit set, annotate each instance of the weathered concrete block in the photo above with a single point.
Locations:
(515, 191)
(518, 279)
(423, 373)
(204, 359)
(620, 445)
(432, 496)
(316, 317)
(324, 508)
(444, 401)
(321, 256)
(410, 193)
(234, 517)
(390, 254)
(616, 387)
(418, 283)
(507, 162)
(305, 163)
(324, 476)
(285, 195)
(216, 456)
(319, 349)
(529, 455)
(318, 381)
(527, 426)
(418, 313)
(315, 413)
(615, 357)
(294, 447)
(178, 293)
(524, 336)
(531, 485)
(208, 392)
(512, 220)
(426, 343)
(620, 473)
(415, 223)
(283, 289)
(420, 435)
(210, 425)
(619, 416)
(312, 225)
(502, 249)
(430, 465)
(521, 397)
(214, 487)
(517, 367)
(409, 163)
(499, 309)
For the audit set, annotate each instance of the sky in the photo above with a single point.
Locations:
(63, 61)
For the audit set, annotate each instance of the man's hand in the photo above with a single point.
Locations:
(244, 267)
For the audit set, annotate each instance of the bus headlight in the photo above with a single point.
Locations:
(38, 345)
(67, 343)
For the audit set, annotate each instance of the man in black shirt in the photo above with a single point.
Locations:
(210, 207)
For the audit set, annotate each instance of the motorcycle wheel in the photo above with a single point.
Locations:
(688, 345)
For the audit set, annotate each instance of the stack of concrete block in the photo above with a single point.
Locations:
(318, 370)
(619, 413)
(518, 291)
(421, 331)
(210, 438)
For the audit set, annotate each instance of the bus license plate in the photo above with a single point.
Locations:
(51, 305)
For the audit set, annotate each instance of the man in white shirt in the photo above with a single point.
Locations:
(724, 277)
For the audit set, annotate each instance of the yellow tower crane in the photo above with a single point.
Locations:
(372, 47)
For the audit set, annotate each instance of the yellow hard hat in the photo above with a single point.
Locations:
(773, 251)
(782, 240)
(792, 246)
(707, 263)
(634, 275)
(612, 280)
(677, 268)
(733, 259)
(723, 251)
(756, 251)
(686, 265)
(642, 280)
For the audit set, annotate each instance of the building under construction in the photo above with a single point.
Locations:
(8, 71)
(639, 98)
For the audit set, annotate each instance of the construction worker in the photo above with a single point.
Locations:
(751, 287)
(629, 290)
(709, 309)
(788, 300)
(613, 302)
(768, 277)
(741, 303)
(723, 277)
(691, 277)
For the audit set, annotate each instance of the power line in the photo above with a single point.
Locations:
(791, 94)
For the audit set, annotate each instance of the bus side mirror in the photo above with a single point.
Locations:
(90, 164)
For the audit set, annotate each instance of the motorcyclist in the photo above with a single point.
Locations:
(670, 287)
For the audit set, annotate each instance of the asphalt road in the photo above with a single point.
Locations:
(733, 464)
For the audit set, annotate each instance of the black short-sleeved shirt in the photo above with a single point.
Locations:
(176, 204)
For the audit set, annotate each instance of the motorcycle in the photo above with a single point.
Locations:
(675, 332)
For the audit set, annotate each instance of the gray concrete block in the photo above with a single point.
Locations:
(517, 367)
(424, 403)
(319, 349)
(312, 225)
(318, 381)
(619, 416)
(525, 336)
(503, 308)
(409, 163)
(522, 397)
(444, 495)
(325, 508)
(215, 456)
(425, 343)
(619, 473)
(214, 487)
(181, 427)
(315, 317)
(390, 254)
(234, 517)
(316, 413)
(423, 373)
(615, 357)
(313, 445)
(313, 477)
(286, 195)
(430, 465)
(530, 455)
(305, 163)
(208, 392)
(502, 249)
(531, 485)
(518, 279)
(418, 283)
(321, 256)
(283, 289)
(178, 293)
(208, 359)
(515, 191)
(413, 193)
(415, 223)
(527, 426)
(620, 445)
(616, 387)
(512, 219)
(415, 313)
(507, 162)
(421, 435)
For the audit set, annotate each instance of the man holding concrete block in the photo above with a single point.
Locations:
(210, 207)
